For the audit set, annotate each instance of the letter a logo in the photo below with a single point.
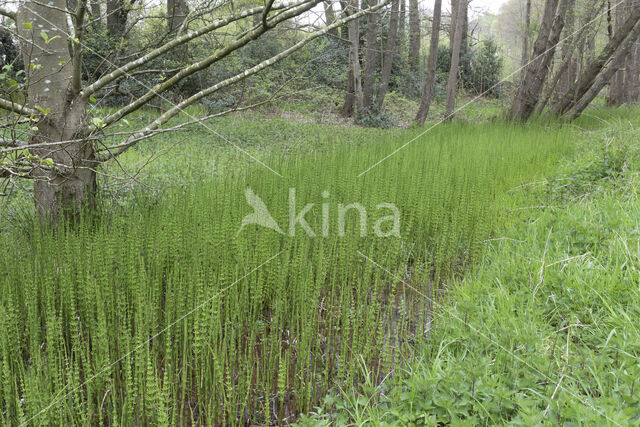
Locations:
(261, 215)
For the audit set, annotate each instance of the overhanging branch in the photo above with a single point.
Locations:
(208, 61)
(105, 80)
(7, 13)
(9, 142)
(16, 108)
(164, 118)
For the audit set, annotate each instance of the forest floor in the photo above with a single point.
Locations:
(544, 330)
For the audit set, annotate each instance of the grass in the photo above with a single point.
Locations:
(544, 330)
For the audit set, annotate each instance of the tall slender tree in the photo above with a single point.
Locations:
(414, 35)
(370, 59)
(354, 101)
(598, 64)
(402, 24)
(452, 83)
(427, 90)
(525, 39)
(177, 11)
(531, 87)
(389, 50)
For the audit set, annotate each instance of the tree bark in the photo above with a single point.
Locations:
(616, 85)
(414, 36)
(117, 14)
(63, 188)
(354, 98)
(427, 90)
(601, 80)
(402, 25)
(177, 11)
(453, 19)
(635, 74)
(593, 69)
(543, 50)
(370, 59)
(330, 17)
(566, 75)
(631, 74)
(389, 51)
(464, 44)
(525, 39)
(455, 62)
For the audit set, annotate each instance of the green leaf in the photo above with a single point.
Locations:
(27, 25)
(97, 121)
(43, 111)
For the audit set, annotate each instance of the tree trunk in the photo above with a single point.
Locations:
(631, 69)
(455, 62)
(600, 81)
(414, 36)
(350, 97)
(543, 50)
(593, 69)
(177, 11)
(389, 51)
(616, 85)
(117, 13)
(63, 188)
(354, 99)
(452, 24)
(610, 90)
(464, 44)
(95, 9)
(402, 25)
(427, 90)
(330, 17)
(525, 39)
(635, 73)
(370, 58)
(567, 73)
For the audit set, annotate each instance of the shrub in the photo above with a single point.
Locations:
(371, 117)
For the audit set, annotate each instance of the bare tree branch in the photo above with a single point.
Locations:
(7, 13)
(266, 11)
(123, 70)
(164, 118)
(205, 63)
(10, 142)
(16, 108)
